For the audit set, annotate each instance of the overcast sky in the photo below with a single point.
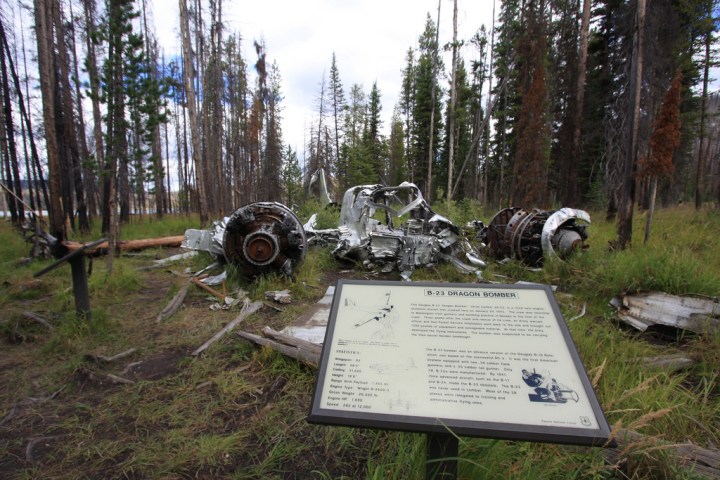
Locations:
(370, 39)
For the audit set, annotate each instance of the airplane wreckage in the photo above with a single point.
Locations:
(267, 237)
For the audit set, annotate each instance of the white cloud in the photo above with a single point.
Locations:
(369, 37)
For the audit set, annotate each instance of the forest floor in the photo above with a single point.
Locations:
(239, 411)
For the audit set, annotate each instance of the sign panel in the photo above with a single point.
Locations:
(481, 360)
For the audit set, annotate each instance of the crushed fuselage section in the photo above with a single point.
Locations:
(407, 235)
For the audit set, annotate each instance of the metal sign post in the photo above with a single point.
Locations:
(442, 455)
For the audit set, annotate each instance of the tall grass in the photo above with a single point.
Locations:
(240, 412)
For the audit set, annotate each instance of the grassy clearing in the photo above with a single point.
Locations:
(239, 412)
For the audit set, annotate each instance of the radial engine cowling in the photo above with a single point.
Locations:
(264, 237)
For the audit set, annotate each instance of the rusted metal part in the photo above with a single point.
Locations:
(411, 236)
(533, 236)
(259, 238)
(264, 237)
(644, 310)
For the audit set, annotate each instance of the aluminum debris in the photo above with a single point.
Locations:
(174, 258)
(644, 310)
(535, 236)
(318, 187)
(411, 235)
(279, 296)
(311, 325)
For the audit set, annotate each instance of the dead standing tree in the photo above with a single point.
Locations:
(627, 201)
(46, 72)
(664, 141)
(189, 79)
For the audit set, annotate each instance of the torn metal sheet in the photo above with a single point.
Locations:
(409, 235)
(280, 296)
(215, 279)
(258, 238)
(236, 298)
(311, 325)
(210, 240)
(319, 186)
(321, 237)
(537, 235)
(644, 310)
(175, 258)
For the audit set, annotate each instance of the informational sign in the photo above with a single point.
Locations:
(477, 359)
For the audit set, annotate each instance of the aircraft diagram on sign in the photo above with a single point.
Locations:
(381, 315)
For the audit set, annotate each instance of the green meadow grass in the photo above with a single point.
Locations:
(240, 412)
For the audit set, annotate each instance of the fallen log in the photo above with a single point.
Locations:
(310, 358)
(34, 441)
(102, 359)
(667, 363)
(703, 461)
(643, 310)
(38, 318)
(210, 290)
(174, 304)
(246, 312)
(292, 341)
(84, 374)
(128, 245)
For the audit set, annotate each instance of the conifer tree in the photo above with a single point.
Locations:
(374, 147)
(291, 178)
(529, 183)
(406, 107)
(337, 105)
(353, 147)
(426, 126)
(505, 114)
(396, 173)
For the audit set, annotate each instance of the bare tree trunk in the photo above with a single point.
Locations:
(651, 209)
(35, 158)
(188, 70)
(69, 129)
(574, 195)
(703, 115)
(627, 203)
(8, 138)
(433, 92)
(488, 108)
(46, 73)
(453, 102)
(87, 177)
(168, 190)
(91, 65)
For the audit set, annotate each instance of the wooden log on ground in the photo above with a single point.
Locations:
(703, 461)
(293, 341)
(38, 318)
(104, 359)
(174, 304)
(667, 363)
(129, 245)
(210, 290)
(246, 312)
(302, 355)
